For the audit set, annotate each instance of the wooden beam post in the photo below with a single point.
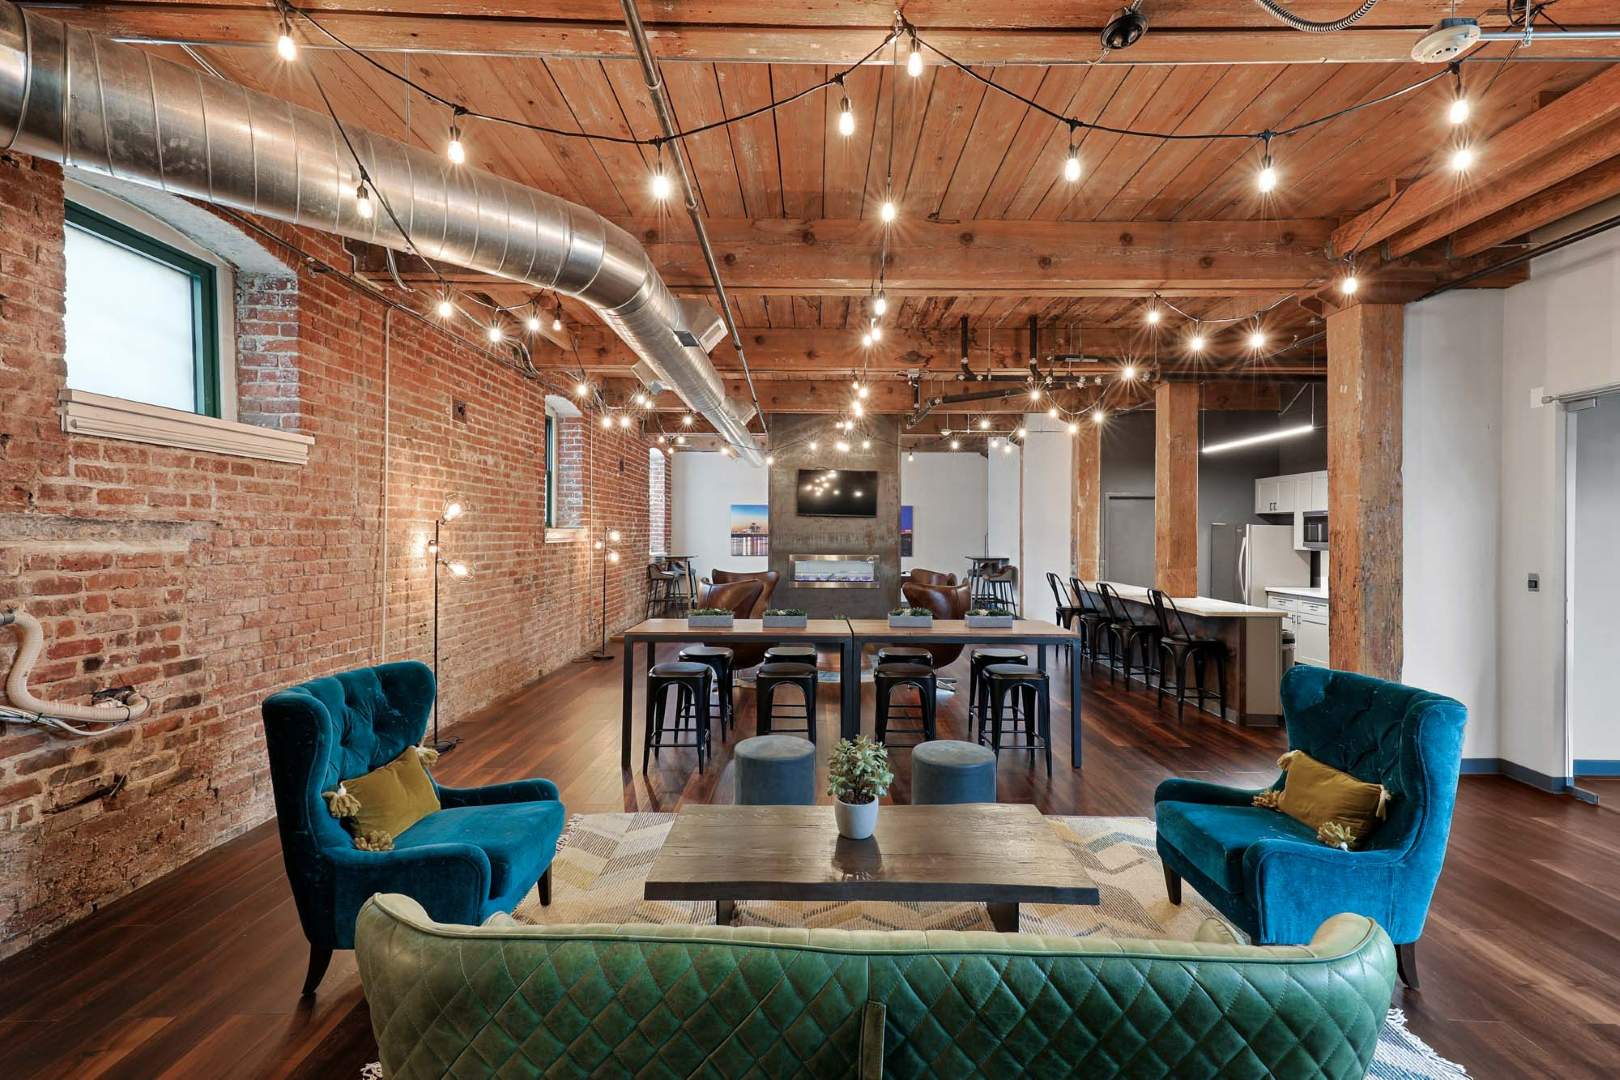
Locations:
(1087, 561)
(1364, 488)
(1175, 488)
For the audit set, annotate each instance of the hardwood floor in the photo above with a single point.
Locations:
(198, 973)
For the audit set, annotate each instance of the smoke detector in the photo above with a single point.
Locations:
(1124, 29)
(1446, 40)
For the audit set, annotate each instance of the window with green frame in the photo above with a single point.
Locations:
(142, 316)
(551, 476)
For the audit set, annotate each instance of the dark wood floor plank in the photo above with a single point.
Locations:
(197, 974)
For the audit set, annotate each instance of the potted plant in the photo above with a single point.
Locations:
(715, 617)
(904, 616)
(785, 618)
(857, 776)
(989, 619)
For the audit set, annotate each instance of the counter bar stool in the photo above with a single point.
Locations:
(660, 583)
(887, 678)
(720, 659)
(692, 684)
(768, 678)
(1067, 609)
(1179, 644)
(1092, 619)
(1030, 683)
(905, 654)
(791, 654)
(977, 660)
(1001, 588)
(1128, 633)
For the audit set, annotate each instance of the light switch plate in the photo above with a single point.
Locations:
(1533, 583)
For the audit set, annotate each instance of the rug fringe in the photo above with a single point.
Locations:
(372, 1071)
(1397, 1020)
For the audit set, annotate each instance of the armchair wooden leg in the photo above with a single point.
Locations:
(1172, 884)
(319, 958)
(1406, 964)
(545, 888)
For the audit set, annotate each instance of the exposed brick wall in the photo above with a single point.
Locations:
(209, 581)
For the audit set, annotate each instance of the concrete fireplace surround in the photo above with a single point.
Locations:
(794, 535)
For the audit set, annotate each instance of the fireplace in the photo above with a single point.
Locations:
(834, 571)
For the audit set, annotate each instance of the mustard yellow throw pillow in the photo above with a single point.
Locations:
(1342, 809)
(385, 802)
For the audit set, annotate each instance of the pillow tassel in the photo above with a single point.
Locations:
(429, 756)
(1268, 799)
(1286, 760)
(340, 803)
(375, 840)
(1336, 835)
(1383, 801)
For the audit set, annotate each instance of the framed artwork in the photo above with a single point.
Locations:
(750, 529)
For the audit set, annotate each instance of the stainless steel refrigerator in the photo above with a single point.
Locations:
(1245, 559)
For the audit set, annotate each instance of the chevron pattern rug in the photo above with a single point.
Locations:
(603, 860)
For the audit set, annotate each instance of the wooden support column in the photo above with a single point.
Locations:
(1364, 488)
(1175, 488)
(1087, 561)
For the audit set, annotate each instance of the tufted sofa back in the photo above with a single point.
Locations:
(1386, 733)
(752, 1001)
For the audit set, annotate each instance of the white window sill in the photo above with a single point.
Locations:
(84, 413)
(565, 536)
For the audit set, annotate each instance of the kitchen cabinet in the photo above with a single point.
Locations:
(1308, 619)
(1297, 492)
(1319, 493)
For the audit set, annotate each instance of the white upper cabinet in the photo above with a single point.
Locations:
(1302, 492)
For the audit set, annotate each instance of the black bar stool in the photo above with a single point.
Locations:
(660, 589)
(767, 677)
(1067, 608)
(791, 654)
(1129, 633)
(1179, 644)
(999, 681)
(1001, 588)
(720, 659)
(905, 654)
(887, 678)
(693, 684)
(977, 659)
(1092, 619)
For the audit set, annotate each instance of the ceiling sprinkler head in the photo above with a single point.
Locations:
(1446, 40)
(1124, 29)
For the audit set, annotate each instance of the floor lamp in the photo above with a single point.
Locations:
(610, 554)
(454, 507)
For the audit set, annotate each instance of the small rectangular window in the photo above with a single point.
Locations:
(551, 473)
(142, 317)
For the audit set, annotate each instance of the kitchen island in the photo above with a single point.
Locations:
(1253, 639)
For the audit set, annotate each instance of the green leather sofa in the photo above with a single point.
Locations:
(508, 1000)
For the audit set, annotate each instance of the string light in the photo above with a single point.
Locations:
(1462, 159)
(581, 389)
(532, 324)
(814, 446)
(495, 334)
(686, 421)
(1006, 447)
(624, 420)
(362, 201)
(1034, 393)
(1268, 171)
(843, 446)
(556, 321)
(1153, 316)
(1196, 343)
(446, 308)
(880, 305)
(680, 440)
(887, 211)
(914, 59)
(1052, 413)
(286, 47)
(1128, 372)
(1074, 428)
(956, 444)
(453, 149)
(641, 399)
(861, 392)
(1071, 164)
(984, 423)
(607, 421)
(1459, 109)
(856, 408)
(770, 459)
(661, 440)
(1097, 416)
(846, 118)
(877, 332)
(1021, 433)
(1349, 285)
(866, 339)
(660, 183)
(866, 444)
(1257, 340)
(911, 455)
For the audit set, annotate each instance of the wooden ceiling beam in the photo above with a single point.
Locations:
(1543, 208)
(1591, 105)
(981, 33)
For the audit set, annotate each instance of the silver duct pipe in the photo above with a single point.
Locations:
(85, 100)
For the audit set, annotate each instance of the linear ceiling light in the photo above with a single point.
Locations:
(1270, 436)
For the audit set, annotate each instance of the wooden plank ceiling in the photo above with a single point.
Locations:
(955, 154)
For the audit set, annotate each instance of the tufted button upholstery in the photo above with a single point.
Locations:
(672, 1001)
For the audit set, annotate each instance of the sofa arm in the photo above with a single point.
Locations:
(1296, 885)
(1199, 791)
(450, 881)
(517, 791)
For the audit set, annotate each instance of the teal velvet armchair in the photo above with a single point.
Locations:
(480, 853)
(1270, 875)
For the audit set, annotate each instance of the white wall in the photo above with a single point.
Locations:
(1561, 334)
(1451, 419)
(706, 484)
(1595, 576)
(1047, 458)
(948, 495)
(1003, 501)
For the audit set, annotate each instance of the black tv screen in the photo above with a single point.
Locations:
(837, 493)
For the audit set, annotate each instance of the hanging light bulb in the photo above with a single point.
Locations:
(1071, 164)
(866, 339)
(1257, 340)
(453, 149)
(1128, 372)
(641, 399)
(1196, 343)
(911, 455)
(856, 408)
(581, 389)
(1034, 393)
(887, 211)
(532, 324)
(880, 305)
(770, 459)
(1006, 447)
(446, 308)
(815, 446)
(1097, 416)
(984, 423)
(846, 118)
(495, 334)
(607, 421)
(556, 321)
(362, 201)
(1074, 428)
(843, 446)
(660, 182)
(1153, 316)
(661, 440)
(1349, 285)
(680, 440)
(1462, 159)
(861, 392)
(956, 444)
(1267, 179)
(286, 47)
(914, 61)
(1051, 414)
(1020, 433)
(686, 421)
(877, 332)
(1459, 110)
(624, 420)
(866, 444)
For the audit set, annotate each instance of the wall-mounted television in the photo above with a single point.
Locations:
(837, 493)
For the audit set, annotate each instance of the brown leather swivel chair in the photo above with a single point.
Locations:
(767, 578)
(931, 577)
(946, 602)
(740, 598)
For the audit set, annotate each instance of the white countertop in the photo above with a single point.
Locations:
(1309, 592)
(1204, 607)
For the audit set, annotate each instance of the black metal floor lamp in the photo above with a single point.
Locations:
(610, 554)
(454, 507)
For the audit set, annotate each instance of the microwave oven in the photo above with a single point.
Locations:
(1316, 532)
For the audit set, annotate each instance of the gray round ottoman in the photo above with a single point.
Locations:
(776, 770)
(948, 771)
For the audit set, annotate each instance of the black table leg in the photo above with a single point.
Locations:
(1074, 712)
(725, 912)
(1040, 656)
(1004, 917)
(629, 690)
(849, 685)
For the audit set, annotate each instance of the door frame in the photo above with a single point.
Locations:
(1102, 532)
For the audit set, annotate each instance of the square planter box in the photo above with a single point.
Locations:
(914, 622)
(785, 622)
(989, 622)
(713, 622)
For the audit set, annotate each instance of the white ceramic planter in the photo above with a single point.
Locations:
(712, 622)
(904, 622)
(989, 622)
(856, 821)
(785, 622)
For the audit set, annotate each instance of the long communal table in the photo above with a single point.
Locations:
(851, 638)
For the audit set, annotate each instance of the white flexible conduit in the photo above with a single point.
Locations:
(86, 100)
(1310, 26)
(24, 707)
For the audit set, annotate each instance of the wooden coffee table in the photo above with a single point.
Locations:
(999, 854)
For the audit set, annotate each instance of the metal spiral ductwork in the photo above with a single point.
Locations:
(85, 100)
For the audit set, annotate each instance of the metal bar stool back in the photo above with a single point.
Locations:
(1180, 646)
(768, 678)
(693, 685)
(1000, 681)
(977, 661)
(1132, 636)
(889, 677)
(721, 660)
